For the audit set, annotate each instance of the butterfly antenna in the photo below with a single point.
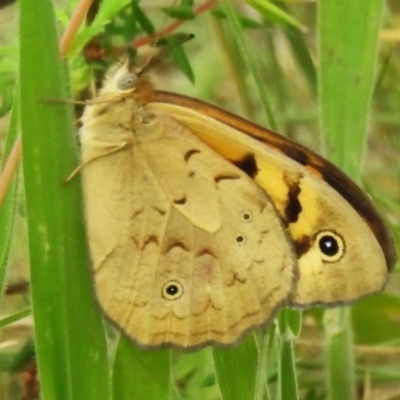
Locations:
(155, 43)
(154, 59)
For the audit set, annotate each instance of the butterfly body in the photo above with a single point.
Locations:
(199, 232)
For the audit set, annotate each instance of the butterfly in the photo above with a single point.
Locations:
(201, 225)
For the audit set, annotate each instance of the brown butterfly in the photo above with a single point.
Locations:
(202, 224)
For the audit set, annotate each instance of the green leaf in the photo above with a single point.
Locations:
(108, 9)
(183, 12)
(287, 377)
(289, 325)
(385, 309)
(142, 19)
(240, 362)
(140, 374)
(178, 54)
(271, 11)
(339, 353)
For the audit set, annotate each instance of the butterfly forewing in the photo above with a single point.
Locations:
(340, 257)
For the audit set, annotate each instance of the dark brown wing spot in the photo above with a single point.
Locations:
(293, 206)
(234, 278)
(208, 305)
(263, 234)
(219, 178)
(180, 201)
(302, 245)
(190, 153)
(247, 164)
(205, 252)
(159, 210)
(136, 213)
(173, 245)
(135, 242)
(151, 239)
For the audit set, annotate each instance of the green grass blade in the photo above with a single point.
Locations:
(236, 369)
(248, 59)
(261, 388)
(287, 371)
(289, 323)
(140, 374)
(70, 343)
(270, 10)
(15, 317)
(339, 352)
(348, 38)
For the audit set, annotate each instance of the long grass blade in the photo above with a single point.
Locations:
(70, 342)
(348, 38)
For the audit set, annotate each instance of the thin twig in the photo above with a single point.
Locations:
(9, 168)
(72, 28)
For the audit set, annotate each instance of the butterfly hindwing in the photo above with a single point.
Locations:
(195, 251)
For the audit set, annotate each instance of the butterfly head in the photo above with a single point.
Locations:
(125, 89)
(124, 79)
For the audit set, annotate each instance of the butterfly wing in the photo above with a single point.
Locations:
(343, 246)
(186, 248)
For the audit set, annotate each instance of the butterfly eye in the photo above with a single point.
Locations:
(172, 290)
(247, 216)
(127, 82)
(240, 239)
(331, 246)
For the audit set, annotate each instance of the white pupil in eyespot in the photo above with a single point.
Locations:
(331, 246)
(172, 290)
(328, 245)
